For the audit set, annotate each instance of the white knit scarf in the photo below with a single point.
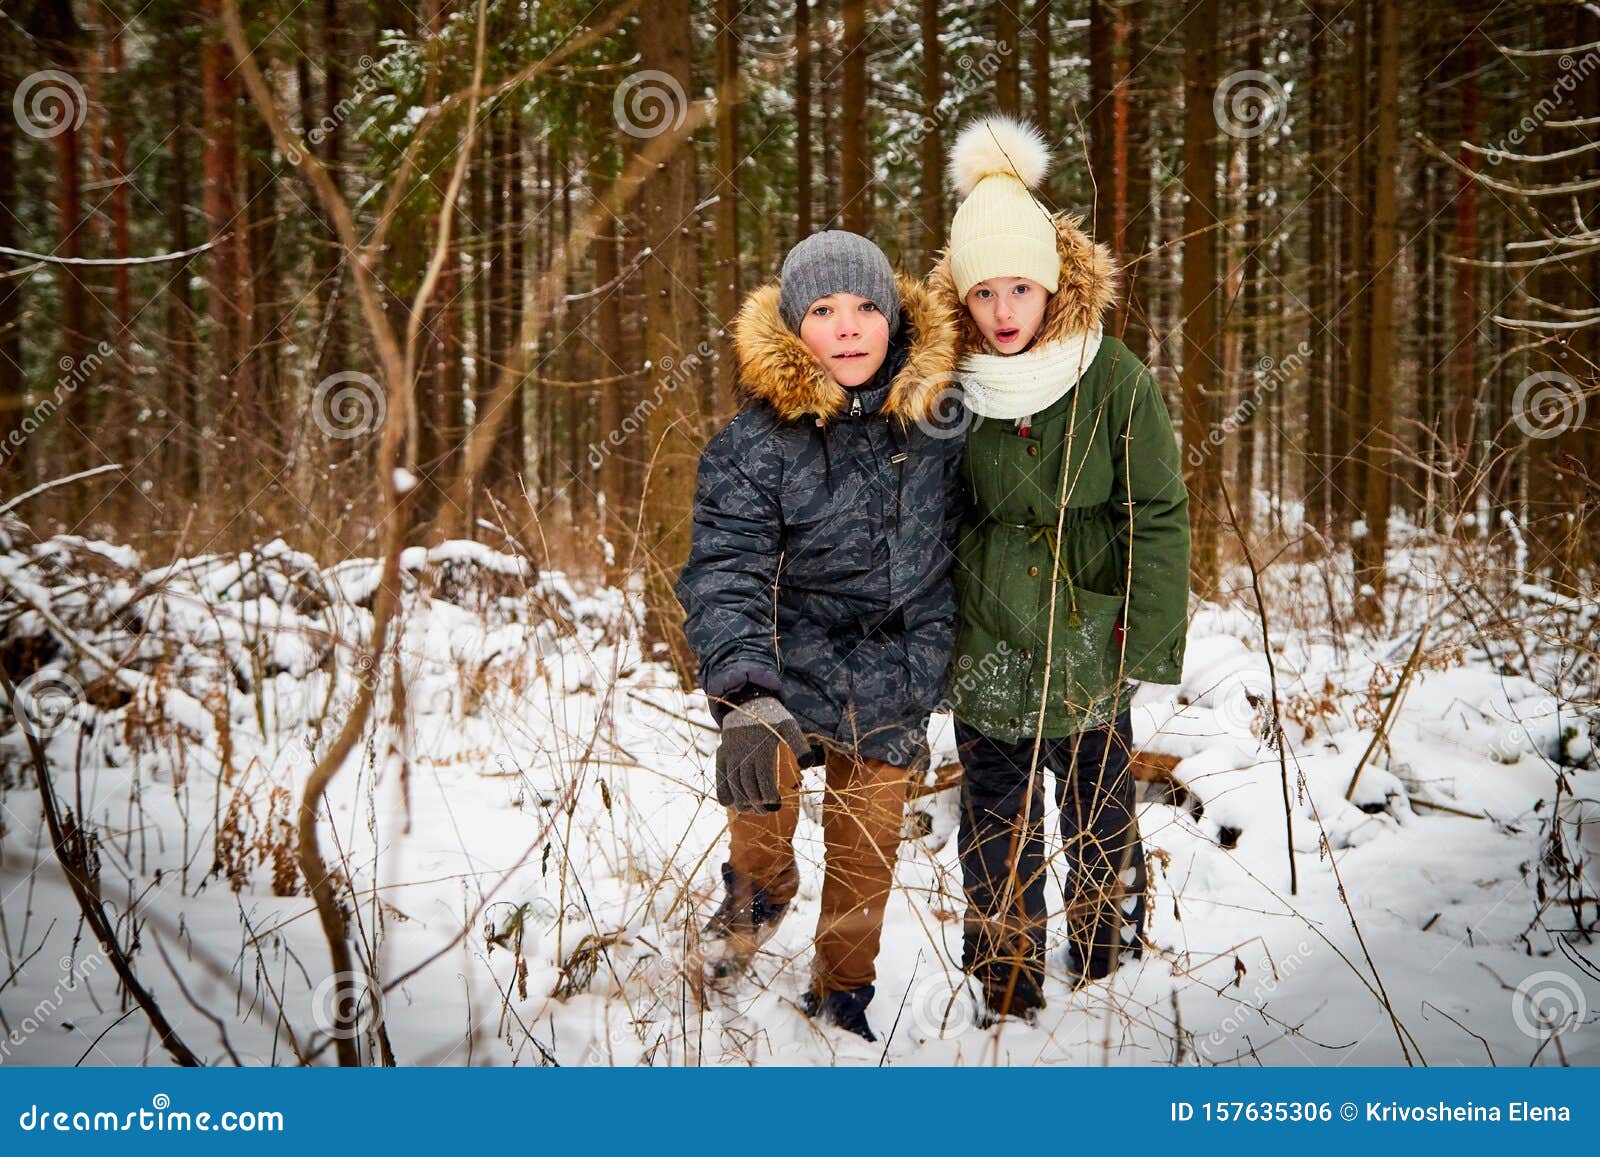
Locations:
(1014, 386)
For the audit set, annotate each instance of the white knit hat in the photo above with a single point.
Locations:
(1000, 230)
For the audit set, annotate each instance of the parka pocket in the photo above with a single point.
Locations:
(1085, 658)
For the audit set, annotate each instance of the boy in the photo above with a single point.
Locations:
(818, 596)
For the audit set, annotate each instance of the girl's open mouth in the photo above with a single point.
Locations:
(1006, 336)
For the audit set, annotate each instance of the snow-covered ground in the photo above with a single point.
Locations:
(532, 855)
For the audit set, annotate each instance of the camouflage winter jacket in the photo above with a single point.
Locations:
(824, 526)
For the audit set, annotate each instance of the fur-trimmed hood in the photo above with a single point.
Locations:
(776, 367)
(1088, 287)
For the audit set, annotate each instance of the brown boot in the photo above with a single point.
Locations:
(746, 919)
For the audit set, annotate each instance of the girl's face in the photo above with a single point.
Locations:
(1008, 311)
(849, 335)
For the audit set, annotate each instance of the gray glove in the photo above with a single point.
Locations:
(747, 773)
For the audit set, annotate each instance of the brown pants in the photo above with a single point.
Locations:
(862, 813)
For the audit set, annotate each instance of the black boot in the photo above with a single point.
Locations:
(1105, 933)
(1107, 880)
(988, 1016)
(1100, 956)
(846, 1008)
(745, 921)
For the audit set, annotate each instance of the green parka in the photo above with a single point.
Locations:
(1121, 593)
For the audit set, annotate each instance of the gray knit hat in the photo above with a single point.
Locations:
(834, 261)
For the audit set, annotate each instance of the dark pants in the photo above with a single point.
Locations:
(1003, 866)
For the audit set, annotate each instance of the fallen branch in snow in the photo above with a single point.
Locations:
(182, 708)
(1391, 710)
(1444, 807)
(54, 482)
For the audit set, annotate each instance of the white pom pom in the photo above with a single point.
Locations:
(998, 144)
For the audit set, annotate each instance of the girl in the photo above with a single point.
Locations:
(818, 595)
(1071, 574)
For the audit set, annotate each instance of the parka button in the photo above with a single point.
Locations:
(1025, 653)
(1014, 721)
(1033, 571)
(1033, 451)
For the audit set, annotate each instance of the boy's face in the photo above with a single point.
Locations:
(849, 335)
(1008, 311)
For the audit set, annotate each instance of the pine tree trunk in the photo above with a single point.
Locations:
(1038, 64)
(330, 266)
(229, 289)
(1316, 482)
(1355, 225)
(1378, 443)
(1201, 374)
(1586, 530)
(855, 180)
(615, 526)
(14, 461)
(1102, 146)
(828, 66)
(1557, 483)
(932, 154)
(1008, 77)
(670, 277)
(727, 187)
(126, 409)
(1141, 264)
(60, 34)
(1463, 369)
(184, 459)
(1250, 267)
(1120, 83)
(804, 49)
